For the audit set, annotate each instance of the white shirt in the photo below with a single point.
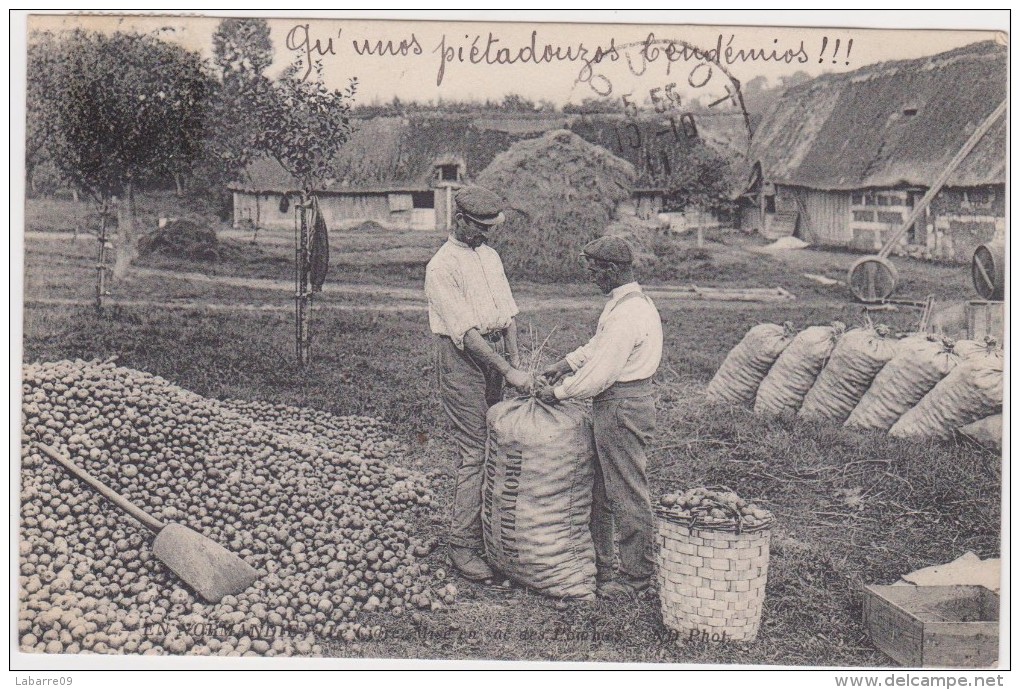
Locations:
(627, 346)
(467, 288)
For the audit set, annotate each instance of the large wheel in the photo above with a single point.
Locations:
(872, 279)
(988, 271)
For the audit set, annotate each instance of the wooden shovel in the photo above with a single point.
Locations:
(208, 568)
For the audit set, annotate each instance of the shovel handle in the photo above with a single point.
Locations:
(108, 493)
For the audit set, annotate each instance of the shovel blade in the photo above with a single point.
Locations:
(208, 568)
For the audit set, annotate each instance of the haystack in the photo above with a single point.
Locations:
(181, 239)
(560, 193)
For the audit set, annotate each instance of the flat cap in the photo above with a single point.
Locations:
(609, 248)
(480, 204)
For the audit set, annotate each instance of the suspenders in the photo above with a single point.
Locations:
(628, 296)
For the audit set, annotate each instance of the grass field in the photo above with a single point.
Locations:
(852, 508)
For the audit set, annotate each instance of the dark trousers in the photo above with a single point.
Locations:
(621, 509)
(468, 389)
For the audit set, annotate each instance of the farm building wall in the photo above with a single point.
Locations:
(399, 210)
(960, 219)
(444, 206)
(956, 222)
(262, 211)
(647, 204)
(750, 215)
(817, 216)
(950, 229)
(822, 216)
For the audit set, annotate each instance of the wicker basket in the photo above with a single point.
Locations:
(712, 577)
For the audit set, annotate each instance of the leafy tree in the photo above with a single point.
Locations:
(242, 51)
(795, 79)
(513, 102)
(118, 111)
(300, 122)
(304, 124)
(591, 106)
(39, 129)
(702, 182)
(242, 48)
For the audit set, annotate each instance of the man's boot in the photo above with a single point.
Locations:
(622, 588)
(469, 563)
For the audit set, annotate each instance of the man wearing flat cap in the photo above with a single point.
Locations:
(471, 313)
(615, 370)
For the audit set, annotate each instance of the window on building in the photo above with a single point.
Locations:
(978, 197)
(449, 172)
(423, 199)
(874, 198)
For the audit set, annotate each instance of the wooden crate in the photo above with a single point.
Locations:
(934, 627)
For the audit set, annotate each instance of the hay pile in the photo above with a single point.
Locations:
(181, 239)
(560, 193)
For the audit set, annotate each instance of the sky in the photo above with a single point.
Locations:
(437, 63)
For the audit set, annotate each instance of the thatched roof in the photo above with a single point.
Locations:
(399, 153)
(394, 154)
(891, 124)
(266, 175)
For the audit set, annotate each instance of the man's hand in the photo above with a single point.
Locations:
(555, 372)
(547, 394)
(520, 380)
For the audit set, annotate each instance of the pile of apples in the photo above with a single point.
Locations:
(317, 503)
(714, 508)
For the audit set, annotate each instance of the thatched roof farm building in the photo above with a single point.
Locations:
(401, 171)
(841, 160)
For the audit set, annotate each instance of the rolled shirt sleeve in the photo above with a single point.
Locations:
(578, 357)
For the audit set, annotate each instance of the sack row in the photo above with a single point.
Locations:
(919, 386)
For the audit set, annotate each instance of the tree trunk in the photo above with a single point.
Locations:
(180, 185)
(74, 195)
(126, 250)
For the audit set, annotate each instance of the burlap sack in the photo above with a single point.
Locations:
(855, 361)
(537, 493)
(970, 392)
(920, 362)
(987, 431)
(793, 374)
(737, 380)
